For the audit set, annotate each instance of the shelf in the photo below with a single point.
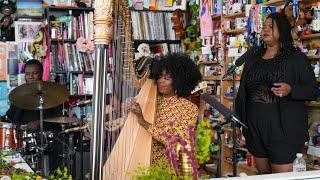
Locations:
(227, 129)
(211, 78)
(244, 167)
(313, 104)
(230, 147)
(64, 41)
(213, 156)
(248, 168)
(158, 41)
(313, 58)
(274, 3)
(310, 36)
(228, 98)
(230, 79)
(208, 62)
(235, 31)
(312, 167)
(80, 95)
(67, 8)
(74, 72)
(29, 17)
(81, 72)
(148, 10)
(212, 168)
(216, 17)
(243, 149)
(235, 15)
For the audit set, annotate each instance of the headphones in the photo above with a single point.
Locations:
(7, 7)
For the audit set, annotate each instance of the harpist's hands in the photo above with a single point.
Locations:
(33, 125)
(281, 89)
(135, 108)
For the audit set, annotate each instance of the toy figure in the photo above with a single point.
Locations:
(316, 138)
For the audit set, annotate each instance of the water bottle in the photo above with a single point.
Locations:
(299, 164)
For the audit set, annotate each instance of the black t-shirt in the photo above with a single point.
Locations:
(20, 116)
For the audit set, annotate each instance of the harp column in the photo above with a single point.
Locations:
(102, 37)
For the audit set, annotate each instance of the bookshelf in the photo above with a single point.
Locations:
(157, 41)
(155, 28)
(71, 33)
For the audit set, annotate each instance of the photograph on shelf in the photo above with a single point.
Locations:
(26, 31)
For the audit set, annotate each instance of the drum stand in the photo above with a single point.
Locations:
(63, 148)
(41, 101)
(82, 116)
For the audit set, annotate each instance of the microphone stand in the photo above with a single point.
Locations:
(218, 129)
(233, 125)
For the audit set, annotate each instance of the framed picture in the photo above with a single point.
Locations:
(3, 62)
(26, 31)
(29, 8)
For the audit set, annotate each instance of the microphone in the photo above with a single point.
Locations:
(222, 109)
(242, 59)
(83, 103)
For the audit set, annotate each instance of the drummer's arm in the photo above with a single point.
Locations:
(54, 112)
(10, 115)
(33, 125)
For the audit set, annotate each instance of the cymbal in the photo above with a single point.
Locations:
(62, 120)
(26, 96)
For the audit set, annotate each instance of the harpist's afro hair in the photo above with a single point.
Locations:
(183, 71)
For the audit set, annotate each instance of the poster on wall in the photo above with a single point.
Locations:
(3, 61)
(26, 31)
(3, 98)
(31, 8)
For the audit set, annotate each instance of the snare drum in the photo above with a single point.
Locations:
(8, 136)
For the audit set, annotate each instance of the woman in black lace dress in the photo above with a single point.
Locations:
(274, 86)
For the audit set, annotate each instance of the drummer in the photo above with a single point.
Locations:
(30, 119)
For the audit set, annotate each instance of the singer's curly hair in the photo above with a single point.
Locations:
(183, 71)
(286, 42)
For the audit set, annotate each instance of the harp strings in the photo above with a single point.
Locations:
(122, 85)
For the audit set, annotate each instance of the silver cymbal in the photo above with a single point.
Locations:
(62, 120)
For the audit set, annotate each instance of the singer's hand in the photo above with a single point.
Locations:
(240, 142)
(135, 108)
(281, 89)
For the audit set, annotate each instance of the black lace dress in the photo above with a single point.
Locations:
(265, 131)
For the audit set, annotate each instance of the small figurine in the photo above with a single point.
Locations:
(316, 138)
(143, 51)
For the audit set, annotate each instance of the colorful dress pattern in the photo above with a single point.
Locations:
(173, 115)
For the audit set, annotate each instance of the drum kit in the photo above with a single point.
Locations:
(32, 145)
